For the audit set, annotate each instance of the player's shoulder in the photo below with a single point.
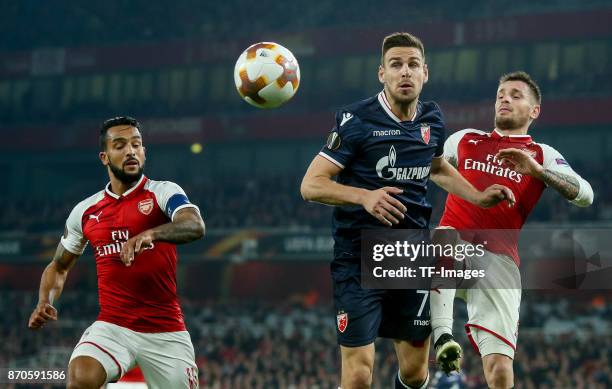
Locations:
(350, 117)
(546, 149)
(430, 107)
(88, 203)
(358, 111)
(361, 107)
(159, 184)
(164, 188)
(467, 133)
(430, 113)
(551, 155)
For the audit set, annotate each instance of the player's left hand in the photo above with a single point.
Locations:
(519, 161)
(135, 246)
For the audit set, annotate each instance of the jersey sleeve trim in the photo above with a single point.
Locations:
(177, 202)
(330, 159)
(182, 207)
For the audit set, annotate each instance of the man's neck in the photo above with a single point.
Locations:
(514, 131)
(119, 188)
(404, 111)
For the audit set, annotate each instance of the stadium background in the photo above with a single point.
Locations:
(256, 290)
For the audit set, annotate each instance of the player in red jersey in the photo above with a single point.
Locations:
(506, 156)
(133, 226)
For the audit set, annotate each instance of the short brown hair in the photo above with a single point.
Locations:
(401, 39)
(526, 78)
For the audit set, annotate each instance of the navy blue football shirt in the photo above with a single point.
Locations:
(376, 149)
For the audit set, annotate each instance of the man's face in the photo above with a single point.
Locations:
(403, 73)
(515, 106)
(124, 154)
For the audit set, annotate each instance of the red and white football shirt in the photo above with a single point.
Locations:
(473, 152)
(141, 297)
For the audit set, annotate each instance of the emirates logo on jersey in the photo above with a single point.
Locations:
(426, 134)
(342, 320)
(145, 206)
(493, 166)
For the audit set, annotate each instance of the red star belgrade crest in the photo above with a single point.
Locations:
(342, 320)
(425, 134)
(145, 206)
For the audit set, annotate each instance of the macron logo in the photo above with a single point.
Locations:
(386, 132)
(345, 118)
(96, 217)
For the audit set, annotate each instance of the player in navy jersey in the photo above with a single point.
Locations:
(383, 151)
(133, 226)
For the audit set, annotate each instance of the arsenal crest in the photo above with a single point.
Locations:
(425, 134)
(145, 206)
(342, 320)
(532, 153)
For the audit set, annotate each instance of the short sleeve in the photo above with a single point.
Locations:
(443, 133)
(73, 239)
(343, 140)
(170, 197)
(554, 161)
(451, 146)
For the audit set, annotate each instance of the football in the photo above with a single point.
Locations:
(267, 75)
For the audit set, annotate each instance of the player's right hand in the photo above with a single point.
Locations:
(495, 194)
(42, 313)
(384, 207)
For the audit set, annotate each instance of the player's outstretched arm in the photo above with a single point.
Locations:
(449, 179)
(556, 173)
(186, 226)
(51, 286)
(317, 185)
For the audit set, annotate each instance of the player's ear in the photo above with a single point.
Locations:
(426, 73)
(103, 158)
(535, 112)
(381, 74)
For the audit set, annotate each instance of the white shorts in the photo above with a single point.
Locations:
(493, 306)
(167, 359)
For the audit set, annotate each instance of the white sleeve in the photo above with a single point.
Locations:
(170, 197)
(554, 161)
(73, 239)
(451, 146)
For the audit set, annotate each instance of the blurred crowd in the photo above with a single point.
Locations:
(141, 21)
(291, 344)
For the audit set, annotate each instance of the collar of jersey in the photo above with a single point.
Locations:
(127, 192)
(515, 138)
(384, 103)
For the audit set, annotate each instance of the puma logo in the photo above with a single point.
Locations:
(97, 217)
(474, 141)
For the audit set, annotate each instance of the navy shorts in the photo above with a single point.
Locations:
(362, 315)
